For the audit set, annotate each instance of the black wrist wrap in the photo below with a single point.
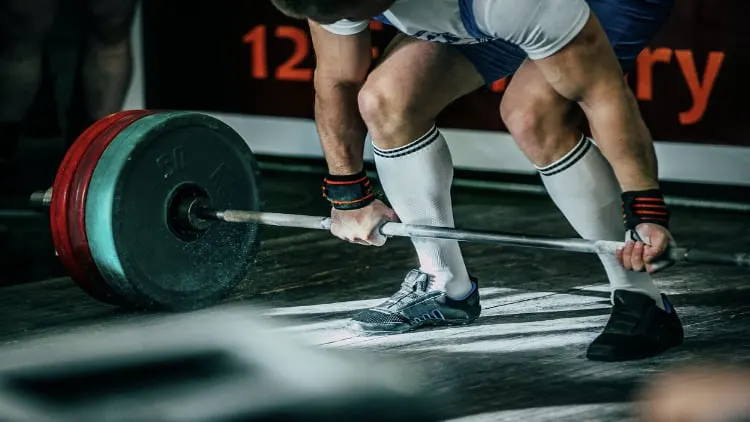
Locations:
(646, 206)
(348, 192)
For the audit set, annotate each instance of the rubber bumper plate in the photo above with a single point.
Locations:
(149, 168)
(69, 193)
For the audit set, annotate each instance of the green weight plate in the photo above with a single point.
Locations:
(130, 208)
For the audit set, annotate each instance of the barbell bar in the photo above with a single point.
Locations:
(393, 229)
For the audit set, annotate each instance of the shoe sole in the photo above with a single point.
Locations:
(609, 357)
(358, 328)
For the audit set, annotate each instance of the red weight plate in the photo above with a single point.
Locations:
(61, 191)
(91, 280)
(61, 187)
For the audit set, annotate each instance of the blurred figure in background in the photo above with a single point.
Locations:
(103, 70)
(703, 393)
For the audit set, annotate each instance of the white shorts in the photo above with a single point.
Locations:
(538, 27)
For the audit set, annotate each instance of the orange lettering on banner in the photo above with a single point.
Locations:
(700, 91)
(375, 26)
(645, 67)
(256, 37)
(499, 86)
(289, 70)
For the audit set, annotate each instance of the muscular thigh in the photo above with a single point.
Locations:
(629, 25)
(109, 21)
(24, 21)
(423, 77)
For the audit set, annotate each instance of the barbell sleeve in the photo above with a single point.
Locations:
(269, 219)
(41, 199)
(716, 258)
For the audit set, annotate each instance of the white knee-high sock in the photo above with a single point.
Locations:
(417, 180)
(585, 189)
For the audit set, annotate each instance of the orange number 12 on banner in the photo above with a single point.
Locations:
(290, 69)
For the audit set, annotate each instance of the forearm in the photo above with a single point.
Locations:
(340, 126)
(624, 139)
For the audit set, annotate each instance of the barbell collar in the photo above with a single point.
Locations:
(42, 198)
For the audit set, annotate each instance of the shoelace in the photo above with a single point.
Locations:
(409, 290)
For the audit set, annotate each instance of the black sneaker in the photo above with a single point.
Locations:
(637, 329)
(414, 306)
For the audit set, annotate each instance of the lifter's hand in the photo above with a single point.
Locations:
(363, 225)
(649, 253)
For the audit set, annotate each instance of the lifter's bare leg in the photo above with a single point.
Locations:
(105, 66)
(584, 186)
(24, 26)
(399, 104)
(577, 176)
(586, 71)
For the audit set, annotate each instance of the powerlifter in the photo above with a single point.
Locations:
(567, 57)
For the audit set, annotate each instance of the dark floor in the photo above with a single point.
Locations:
(523, 360)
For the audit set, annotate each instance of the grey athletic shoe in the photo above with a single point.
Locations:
(414, 306)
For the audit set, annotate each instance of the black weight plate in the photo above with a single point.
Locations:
(132, 193)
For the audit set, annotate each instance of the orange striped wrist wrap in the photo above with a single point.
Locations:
(348, 192)
(644, 207)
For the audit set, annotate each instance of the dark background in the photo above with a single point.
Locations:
(26, 250)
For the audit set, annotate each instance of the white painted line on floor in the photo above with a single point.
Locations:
(499, 302)
(324, 308)
(491, 333)
(579, 413)
(499, 337)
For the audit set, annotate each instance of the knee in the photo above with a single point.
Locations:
(388, 112)
(522, 119)
(539, 124)
(526, 117)
(110, 22)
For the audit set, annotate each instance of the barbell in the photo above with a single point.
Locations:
(140, 206)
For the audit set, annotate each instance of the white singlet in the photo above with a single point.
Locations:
(539, 27)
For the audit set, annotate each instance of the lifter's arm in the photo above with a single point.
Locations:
(343, 62)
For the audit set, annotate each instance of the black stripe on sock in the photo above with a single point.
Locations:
(575, 156)
(413, 147)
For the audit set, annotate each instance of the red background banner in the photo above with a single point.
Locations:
(247, 58)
